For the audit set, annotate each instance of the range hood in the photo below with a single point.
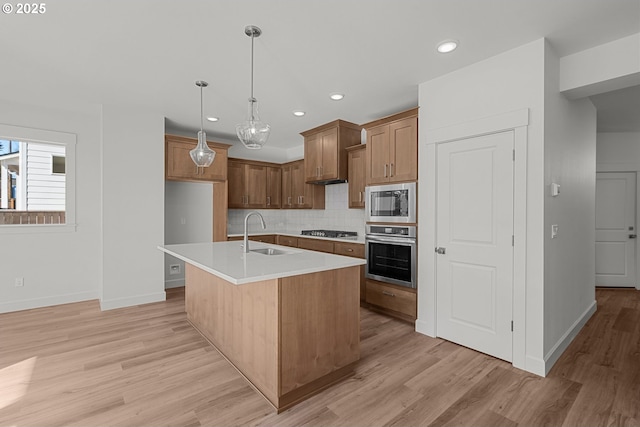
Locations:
(329, 182)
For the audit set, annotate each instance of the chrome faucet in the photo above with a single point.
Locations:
(246, 236)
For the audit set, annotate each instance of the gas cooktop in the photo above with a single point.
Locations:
(334, 234)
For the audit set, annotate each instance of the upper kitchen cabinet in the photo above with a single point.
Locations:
(357, 170)
(296, 193)
(274, 187)
(253, 185)
(180, 167)
(325, 158)
(392, 148)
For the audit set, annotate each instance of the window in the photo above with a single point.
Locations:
(37, 180)
(57, 165)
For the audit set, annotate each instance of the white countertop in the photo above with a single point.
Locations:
(227, 260)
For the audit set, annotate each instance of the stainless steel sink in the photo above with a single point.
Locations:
(270, 251)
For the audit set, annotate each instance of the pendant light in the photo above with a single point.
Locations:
(253, 133)
(202, 155)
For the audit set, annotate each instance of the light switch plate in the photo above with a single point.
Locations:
(554, 231)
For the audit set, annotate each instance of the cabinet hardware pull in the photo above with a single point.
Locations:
(391, 169)
(349, 250)
(289, 200)
(385, 170)
(360, 196)
(268, 200)
(387, 293)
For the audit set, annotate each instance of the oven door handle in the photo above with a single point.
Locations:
(402, 240)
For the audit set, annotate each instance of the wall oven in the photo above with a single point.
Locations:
(390, 251)
(391, 203)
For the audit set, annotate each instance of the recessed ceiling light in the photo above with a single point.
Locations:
(336, 96)
(447, 46)
(299, 113)
(213, 119)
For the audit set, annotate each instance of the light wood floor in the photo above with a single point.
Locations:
(73, 365)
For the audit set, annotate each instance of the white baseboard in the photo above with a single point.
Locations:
(554, 354)
(534, 365)
(130, 301)
(7, 307)
(174, 283)
(423, 328)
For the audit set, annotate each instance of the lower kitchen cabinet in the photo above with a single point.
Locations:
(287, 241)
(355, 250)
(316, 245)
(394, 300)
(264, 238)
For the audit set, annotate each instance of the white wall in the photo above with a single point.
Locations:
(132, 206)
(507, 82)
(603, 68)
(188, 218)
(57, 267)
(560, 273)
(569, 259)
(618, 151)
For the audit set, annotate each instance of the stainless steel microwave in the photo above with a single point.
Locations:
(391, 203)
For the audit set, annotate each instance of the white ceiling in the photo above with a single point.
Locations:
(149, 53)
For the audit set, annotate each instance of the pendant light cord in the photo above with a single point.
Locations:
(201, 112)
(252, 99)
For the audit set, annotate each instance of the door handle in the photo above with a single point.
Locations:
(441, 251)
(633, 236)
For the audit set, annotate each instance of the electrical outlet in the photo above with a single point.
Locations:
(19, 282)
(174, 269)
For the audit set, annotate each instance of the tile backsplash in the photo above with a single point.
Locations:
(335, 216)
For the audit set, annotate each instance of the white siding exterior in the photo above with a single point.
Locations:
(45, 190)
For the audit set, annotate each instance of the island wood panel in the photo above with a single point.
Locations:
(241, 321)
(320, 325)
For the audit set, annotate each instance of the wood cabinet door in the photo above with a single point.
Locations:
(403, 150)
(312, 157)
(274, 187)
(378, 155)
(316, 245)
(297, 183)
(236, 176)
(180, 167)
(329, 144)
(287, 241)
(218, 169)
(357, 166)
(287, 190)
(255, 186)
(179, 163)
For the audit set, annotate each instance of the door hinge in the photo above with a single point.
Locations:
(514, 155)
(512, 326)
(513, 240)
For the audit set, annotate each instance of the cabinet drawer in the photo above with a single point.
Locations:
(266, 238)
(316, 245)
(391, 298)
(287, 241)
(355, 250)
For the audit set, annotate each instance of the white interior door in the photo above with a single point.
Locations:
(475, 229)
(616, 229)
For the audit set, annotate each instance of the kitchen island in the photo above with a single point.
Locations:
(287, 319)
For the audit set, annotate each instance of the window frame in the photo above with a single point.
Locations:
(19, 133)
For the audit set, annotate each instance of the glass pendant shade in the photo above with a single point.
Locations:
(253, 133)
(202, 155)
